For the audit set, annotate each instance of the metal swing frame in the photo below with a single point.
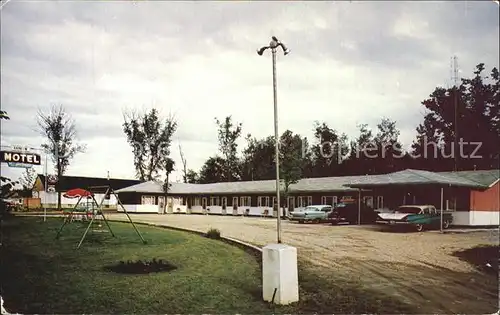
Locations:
(98, 212)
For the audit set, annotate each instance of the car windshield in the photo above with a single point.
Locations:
(311, 209)
(414, 210)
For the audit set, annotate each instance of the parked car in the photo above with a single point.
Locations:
(383, 210)
(316, 214)
(349, 212)
(418, 216)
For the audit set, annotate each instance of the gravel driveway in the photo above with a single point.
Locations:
(417, 267)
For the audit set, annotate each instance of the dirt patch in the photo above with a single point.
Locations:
(141, 267)
(484, 258)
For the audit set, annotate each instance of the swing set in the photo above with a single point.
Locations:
(95, 211)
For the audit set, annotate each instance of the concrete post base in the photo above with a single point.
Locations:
(280, 283)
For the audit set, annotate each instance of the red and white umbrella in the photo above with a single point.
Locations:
(77, 193)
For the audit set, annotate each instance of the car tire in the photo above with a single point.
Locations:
(419, 227)
(446, 224)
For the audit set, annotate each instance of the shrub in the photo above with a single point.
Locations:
(213, 233)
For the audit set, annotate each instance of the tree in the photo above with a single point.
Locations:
(192, 177)
(59, 128)
(328, 151)
(7, 184)
(358, 162)
(150, 138)
(4, 115)
(27, 180)
(7, 187)
(291, 161)
(184, 165)
(389, 151)
(213, 171)
(258, 159)
(228, 134)
(168, 166)
(475, 106)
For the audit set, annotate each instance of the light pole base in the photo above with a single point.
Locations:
(280, 283)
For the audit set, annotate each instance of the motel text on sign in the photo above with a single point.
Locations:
(20, 157)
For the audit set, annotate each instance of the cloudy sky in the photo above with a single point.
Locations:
(351, 62)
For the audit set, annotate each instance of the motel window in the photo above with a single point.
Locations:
(197, 201)
(245, 201)
(324, 200)
(214, 201)
(368, 201)
(304, 201)
(148, 200)
(329, 200)
(300, 202)
(380, 202)
(235, 202)
(263, 202)
(224, 202)
(451, 204)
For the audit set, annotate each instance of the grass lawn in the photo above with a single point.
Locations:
(43, 275)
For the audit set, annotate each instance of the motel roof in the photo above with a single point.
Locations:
(481, 180)
(483, 177)
(416, 177)
(251, 187)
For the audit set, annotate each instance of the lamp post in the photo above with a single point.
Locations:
(273, 45)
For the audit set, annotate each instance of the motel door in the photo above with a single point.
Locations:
(170, 205)
(161, 204)
(368, 200)
(235, 205)
(291, 204)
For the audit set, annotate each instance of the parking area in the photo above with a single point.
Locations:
(420, 268)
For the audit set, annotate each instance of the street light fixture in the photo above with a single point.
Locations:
(273, 45)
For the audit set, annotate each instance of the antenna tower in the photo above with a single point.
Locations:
(455, 89)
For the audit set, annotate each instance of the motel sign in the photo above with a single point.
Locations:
(20, 157)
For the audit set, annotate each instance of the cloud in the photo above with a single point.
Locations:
(351, 63)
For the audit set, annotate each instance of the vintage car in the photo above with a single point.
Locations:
(419, 216)
(316, 214)
(348, 211)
